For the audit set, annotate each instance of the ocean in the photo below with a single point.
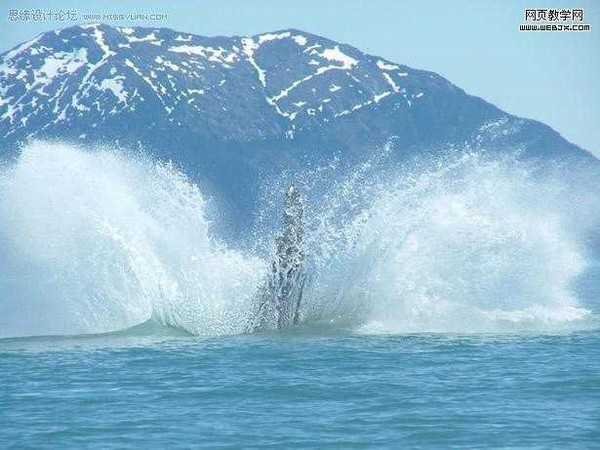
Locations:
(309, 388)
(449, 303)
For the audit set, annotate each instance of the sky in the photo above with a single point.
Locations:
(550, 77)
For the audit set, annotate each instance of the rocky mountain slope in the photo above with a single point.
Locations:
(232, 108)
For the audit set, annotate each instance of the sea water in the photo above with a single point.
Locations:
(451, 303)
(310, 389)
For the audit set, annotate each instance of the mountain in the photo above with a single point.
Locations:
(230, 109)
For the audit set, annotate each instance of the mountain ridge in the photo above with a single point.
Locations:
(296, 111)
(241, 51)
(233, 110)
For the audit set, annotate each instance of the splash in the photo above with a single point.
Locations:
(97, 241)
(94, 241)
(465, 243)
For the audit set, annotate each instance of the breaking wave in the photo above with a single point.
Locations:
(97, 241)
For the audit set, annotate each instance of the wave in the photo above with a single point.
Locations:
(93, 241)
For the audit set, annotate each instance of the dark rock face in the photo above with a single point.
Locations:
(231, 109)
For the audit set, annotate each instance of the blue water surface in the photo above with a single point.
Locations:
(301, 390)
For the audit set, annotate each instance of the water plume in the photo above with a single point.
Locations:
(99, 240)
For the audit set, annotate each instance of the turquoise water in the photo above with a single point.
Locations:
(302, 389)
(453, 305)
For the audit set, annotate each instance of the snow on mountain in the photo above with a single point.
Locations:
(273, 83)
(229, 109)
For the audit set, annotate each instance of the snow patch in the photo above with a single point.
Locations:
(386, 66)
(300, 40)
(218, 55)
(60, 63)
(271, 37)
(378, 97)
(311, 48)
(336, 55)
(147, 38)
(167, 64)
(115, 85)
(99, 37)
(249, 47)
(391, 82)
(158, 93)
